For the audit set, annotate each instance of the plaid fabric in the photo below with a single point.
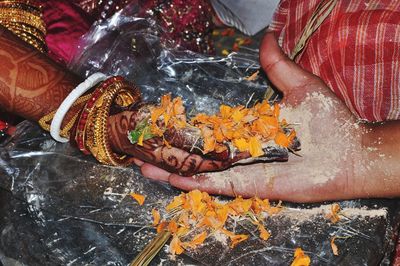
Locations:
(356, 51)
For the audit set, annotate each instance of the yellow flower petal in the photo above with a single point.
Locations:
(255, 147)
(225, 111)
(241, 144)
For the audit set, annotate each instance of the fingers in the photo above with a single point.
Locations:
(286, 75)
(155, 173)
(264, 181)
(138, 162)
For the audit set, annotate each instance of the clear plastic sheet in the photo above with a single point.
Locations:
(58, 207)
(130, 46)
(61, 208)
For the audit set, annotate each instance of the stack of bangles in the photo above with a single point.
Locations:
(90, 123)
(24, 19)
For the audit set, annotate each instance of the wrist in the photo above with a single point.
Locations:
(377, 173)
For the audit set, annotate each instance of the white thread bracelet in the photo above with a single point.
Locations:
(69, 101)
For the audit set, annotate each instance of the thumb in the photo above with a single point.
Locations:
(284, 74)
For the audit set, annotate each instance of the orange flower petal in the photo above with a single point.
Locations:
(334, 215)
(263, 108)
(162, 226)
(238, 114)
(199, 239)
(334, 247)
(300, 259)
(172, 227)
(139, 198)
(264, 234)
(276, 110)
(237, 239)
(282, 140)
(178, 107)
(156, 217)
(175, 246)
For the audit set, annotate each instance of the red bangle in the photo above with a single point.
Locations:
(87, 109)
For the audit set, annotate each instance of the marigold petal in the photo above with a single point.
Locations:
(282, 140)
(255, 147)
(241, 144)
(140, 139)
(199, 239)
(264, 234)
(300, 259)
(173, 227)
(156, 217)
(277, 110)
(175, 246)
(177, 202)
(138, 197)
(238, 114)
(263, 108)
(162, 226)
(225, 111)
(334, 247)
(237, 239)
(334, 215)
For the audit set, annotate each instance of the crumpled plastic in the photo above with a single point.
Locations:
(59, 207)
(131, 47)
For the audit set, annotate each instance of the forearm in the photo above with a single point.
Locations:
(379, 172)
(31, 84)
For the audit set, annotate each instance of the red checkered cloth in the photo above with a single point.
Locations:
(356, 51)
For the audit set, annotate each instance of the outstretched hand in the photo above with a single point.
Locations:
(340, 157)
(331, 144)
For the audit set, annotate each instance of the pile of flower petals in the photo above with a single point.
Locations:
(194, 216)
(244, 128)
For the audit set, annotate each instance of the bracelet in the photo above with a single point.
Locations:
(20, 6)
(87, 110)
(69, 101)
(21, 16)
(45, 121)
(29, 38)
(97, 141)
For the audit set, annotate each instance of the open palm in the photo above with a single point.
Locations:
(330, 136)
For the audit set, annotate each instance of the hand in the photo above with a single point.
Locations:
(330, 136)
(179, 150)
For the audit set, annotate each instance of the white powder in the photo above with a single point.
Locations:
(325, 148)
(330, 152)
(301, 215)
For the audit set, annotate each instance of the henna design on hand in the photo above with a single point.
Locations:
(31, 85)
(179, 158)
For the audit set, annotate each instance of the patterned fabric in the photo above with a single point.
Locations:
(356, 51)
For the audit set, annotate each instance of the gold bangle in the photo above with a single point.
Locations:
(97, 141)
(45, 121)
(23, 30)
(31, 39)
(31, 3)
(26, 28)
(21, 16)
(21, 6)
